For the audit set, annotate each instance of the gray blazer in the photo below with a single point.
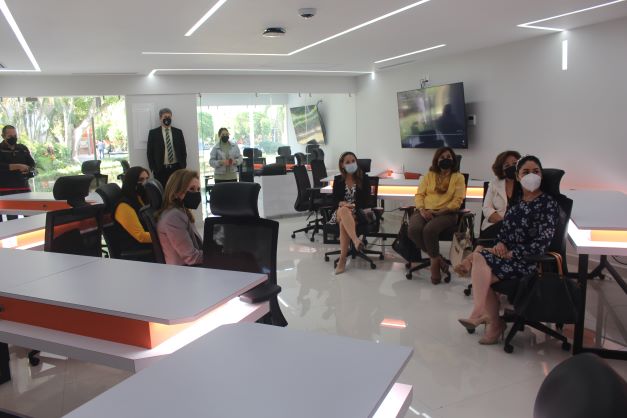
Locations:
(178, 237)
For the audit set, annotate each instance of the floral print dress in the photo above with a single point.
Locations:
(528, 228)
(349, 196)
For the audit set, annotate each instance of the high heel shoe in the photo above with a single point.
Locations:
(359, 245)
(444, 268)
(471, 324)
(494, 339)
(340, 266)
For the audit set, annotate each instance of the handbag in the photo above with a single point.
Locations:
(461, 245)
(549, 296)
(404, 246)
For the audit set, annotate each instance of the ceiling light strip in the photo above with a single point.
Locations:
(18, 34)
(205, 17)
(531, 25)
(153, 72)
(411, 53)
(354, 28)
(216, 53)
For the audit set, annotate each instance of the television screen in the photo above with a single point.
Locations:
(308, 125)
(433, 117)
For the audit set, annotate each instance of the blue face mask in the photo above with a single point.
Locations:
(351, 168)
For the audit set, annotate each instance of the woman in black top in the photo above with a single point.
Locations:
(351, 192)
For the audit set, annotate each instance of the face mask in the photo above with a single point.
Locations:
(531, 182)
(167, 121)
(445, 164)
(191, 200)
(224, 139)
(140, 189)
(350, 168)
(510, 172)
(12, 140)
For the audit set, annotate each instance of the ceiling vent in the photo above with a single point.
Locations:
(273, 32)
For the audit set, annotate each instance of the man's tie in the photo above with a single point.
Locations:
(168, 142)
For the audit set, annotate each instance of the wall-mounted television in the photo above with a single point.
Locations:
(308, 125)
(433, 117)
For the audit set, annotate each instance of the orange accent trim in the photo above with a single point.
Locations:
(40, 205)
(29, 238)
(90, 324)
(608, 236)
(474, 192)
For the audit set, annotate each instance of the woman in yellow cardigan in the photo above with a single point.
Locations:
(132, 234)
(439, 197)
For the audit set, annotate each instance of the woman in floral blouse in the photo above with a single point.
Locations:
(528, 229)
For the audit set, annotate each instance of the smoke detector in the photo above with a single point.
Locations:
(307, 12)
(273, 32)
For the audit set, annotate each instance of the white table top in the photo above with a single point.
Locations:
(46, 197)
(580, 239)
(253, 370)
(145, 291)
(599, 209)
(22, 226)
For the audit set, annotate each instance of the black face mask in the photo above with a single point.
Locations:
(224, 139)
(445, 164)
(191, 200)
(141, 190)
(12, 140)
(167, 121)
(510, 172)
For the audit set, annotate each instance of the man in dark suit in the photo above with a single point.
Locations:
(166, 148)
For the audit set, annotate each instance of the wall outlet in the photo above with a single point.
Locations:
(472, 120)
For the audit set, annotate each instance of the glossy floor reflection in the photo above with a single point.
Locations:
(452, 375)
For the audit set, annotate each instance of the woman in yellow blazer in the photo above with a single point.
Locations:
(439, 197)
(132, 232)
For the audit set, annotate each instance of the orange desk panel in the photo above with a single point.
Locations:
(39, 205)
(89, 324)
(608, 236)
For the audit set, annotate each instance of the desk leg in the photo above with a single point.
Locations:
(581, 314)
(5, 370)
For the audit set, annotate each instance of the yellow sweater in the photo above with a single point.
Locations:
(428, 198)
(127, 217)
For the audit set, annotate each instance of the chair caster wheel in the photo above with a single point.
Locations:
(602, 276)
(508, 348)
(408, 276)
(381, 257)
(33, 361)
(566, 346)
(311, 239)
(467, 292)
(470, 330)
(407, 265)
(326, 258)
(447, 279)
(293, 235)
(373, 266)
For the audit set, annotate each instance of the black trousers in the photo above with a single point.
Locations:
(166, 171)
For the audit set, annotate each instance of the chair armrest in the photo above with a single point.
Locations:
(542, 258)
(314, 189)
(261, 293)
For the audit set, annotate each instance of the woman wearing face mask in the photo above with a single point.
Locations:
(179, 240)
(438, 199)
(351, 193)
(498, 197)
(527, 229)
(224, 158)
(133, 234)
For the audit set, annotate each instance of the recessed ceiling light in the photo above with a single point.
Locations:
(206, 16)
(532, 25)
(18, 34)
(273, 32)
(411, 53)
(272, 70)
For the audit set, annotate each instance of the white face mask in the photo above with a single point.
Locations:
(531, 182)
(350, 168)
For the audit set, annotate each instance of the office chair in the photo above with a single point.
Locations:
(273, 170)
(465, 218)
(307, 200)
(301, 159)
(247, 171)
(92, 168)
(316, 154)
(309, 150)
(582, 386)
(238, 239)
(364, 164)
(318, 172)
(285, 154)
(125, 166)
(119, 243)
(280, 160)
(154, 194)
(366, 229)
(147, 214)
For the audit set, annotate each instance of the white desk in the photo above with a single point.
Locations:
(252, 370)
(597, 214)
(33, 203)
(23, 232)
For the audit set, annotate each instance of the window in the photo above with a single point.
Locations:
(62, 132)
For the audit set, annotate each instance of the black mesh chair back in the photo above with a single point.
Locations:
(303, 187)
(73, 189)
(551, 180)
(125, 166)
(247, 171)
(252, 153)
(317, 154)
(76, 230)
(238, 239)
(301, 159)
(364, 164)
(310, 147)
(154, 194)
(273, 170)
(280, 160)
(374, 191)
(111, 194)
(458, 161)
(582, 386)
(318, 172)
(147, 214)
(284, 151)
(91, 167)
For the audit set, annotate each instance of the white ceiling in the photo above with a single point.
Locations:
(95, 36)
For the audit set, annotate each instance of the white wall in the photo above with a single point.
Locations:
(574, 119)
(338, 114)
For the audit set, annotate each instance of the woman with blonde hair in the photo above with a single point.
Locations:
(179, 240)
